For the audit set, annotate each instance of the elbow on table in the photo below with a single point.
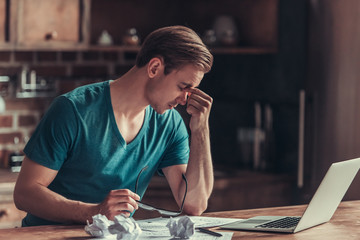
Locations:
(19, 198)
(196, 208)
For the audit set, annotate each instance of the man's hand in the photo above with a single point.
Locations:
(117, 202)
(198, 106)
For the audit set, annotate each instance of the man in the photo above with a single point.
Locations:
(89, 148)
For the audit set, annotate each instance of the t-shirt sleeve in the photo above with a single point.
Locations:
(178, 150)
(53, 138)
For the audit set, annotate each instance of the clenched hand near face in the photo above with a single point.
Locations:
(198, 106)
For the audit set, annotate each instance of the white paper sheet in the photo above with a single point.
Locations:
(198, 236)
(153, 224)
(155, 228)
(166, 236)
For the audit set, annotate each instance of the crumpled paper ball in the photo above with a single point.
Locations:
(123, 227)
(181, 228)
(99, 227)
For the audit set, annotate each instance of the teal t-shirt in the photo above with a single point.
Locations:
(78, 136)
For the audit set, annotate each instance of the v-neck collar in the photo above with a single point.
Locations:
(122, 141)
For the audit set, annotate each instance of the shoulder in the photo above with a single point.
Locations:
(87, 92)
(75, 102)
(91, 96)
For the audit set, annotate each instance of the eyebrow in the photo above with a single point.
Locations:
(188, 85)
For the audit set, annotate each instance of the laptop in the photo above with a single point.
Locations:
(320, 209)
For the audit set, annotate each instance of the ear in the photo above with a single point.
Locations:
(155, 67)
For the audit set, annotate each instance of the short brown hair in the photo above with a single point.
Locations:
(178, 45)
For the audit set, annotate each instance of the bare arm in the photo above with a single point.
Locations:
(32, 195)
(199, 170)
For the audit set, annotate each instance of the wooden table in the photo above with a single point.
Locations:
(345, 224)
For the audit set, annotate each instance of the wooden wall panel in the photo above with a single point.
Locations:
(334, 76)
(2, 20)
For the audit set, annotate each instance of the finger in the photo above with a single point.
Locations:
(116, 197)
(124, 192)
(125, 213)
(110, 211)
(198, 102)
(118, 203)
(120, 208)
(198, 108)
(127, 201)
(124, 206)
(112, 215)
(195, 91)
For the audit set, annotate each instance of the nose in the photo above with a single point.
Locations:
(182, 98)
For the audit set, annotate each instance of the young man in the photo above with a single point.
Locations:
(87, 152)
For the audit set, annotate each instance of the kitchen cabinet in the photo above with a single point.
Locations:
(256, 21)
(39, 24)
(43, 23)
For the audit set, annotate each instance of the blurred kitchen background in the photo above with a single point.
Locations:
(284, 82)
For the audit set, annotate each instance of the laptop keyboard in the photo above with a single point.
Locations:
(286, 222)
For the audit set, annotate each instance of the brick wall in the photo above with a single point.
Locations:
(68, 64)
(69, 68)
(19, 121)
